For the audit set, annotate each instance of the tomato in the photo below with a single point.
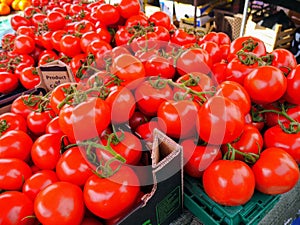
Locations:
(220, 121)
(194, 60)
(236, 70)
(128, 8)
(213, 50)
(18, 20)
(197, 158)
(37, 182)
(123, 36)
(70, 45)
(293, 86)
(129, 69)
(145, 130)
(87, 39)
(247, 44)
(284, 60)
(194, 85)
(7, 41)
(8, 82)
(56, 38)
(24, 44)
(137, 119)
(229, 182)
(28, 31)
(236, 93)
(98, 47)
(86, 120)
(139, 20)
(178, 117)
(266, 84)
(104, 34)
(250, 141)
(276, 137)
(63, 201)
(159, 66)
(123, 189)
(282, 172)
(121, 99)
(12, 121)
(218, 74)
(16, 208)
(13, 172)
(163, 34)
(45, 151)
(150, 94)
(219, 38)
(160, 18)
(29, 77)
(72, 167)
(181, 37)
(53, 127)
(37, 121)
(55, 20)
(24, 104)
(108, 14)
(15, 144)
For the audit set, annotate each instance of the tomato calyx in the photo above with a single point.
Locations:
(249, 158)
(3, 126)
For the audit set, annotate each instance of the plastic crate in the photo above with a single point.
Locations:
(211, 213)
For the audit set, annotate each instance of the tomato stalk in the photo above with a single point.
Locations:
(250, 158)
(3, 126)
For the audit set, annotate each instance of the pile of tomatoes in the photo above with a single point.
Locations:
(75, 155)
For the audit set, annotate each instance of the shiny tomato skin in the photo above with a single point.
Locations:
(276, 137)
(220, 121)
(13, 172)
(284, 60)
(15, 144)
(293, 86)
(70, 45)
(12, 121)
(29, 77)
(45, 151)
(72, 167)
(124, 190)
(265, 84)
(282, 171)
(198, 157)
(8, 82)
(23, 44)
(229, 182)
(24, 104)
(16, 209)
(38, 181)
(160, 18)
(61, 200)
(53, 127)
(128, 8)
(178, 117)
(37, 121)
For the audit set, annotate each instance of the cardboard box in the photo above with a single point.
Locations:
(164, 202)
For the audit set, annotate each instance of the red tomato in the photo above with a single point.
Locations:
(37, 121)
(29, 77)
(45, 151)
(24, 104)
(139, 20)
(123, 189)
(53, 127)
(229, 182)
(293, 86)
(145, 130)
(56, 38)
(197, 158)
(70, 45)
(108, 14)
(23, 44)
(37, 182)
(128, 8)
(194, 60)
(129, 69)
(18, 20)
(122, 36)
(250, 141)
(218, 74)
(163, 34)
(220, 121)
(8, 82)
(180, 37)
(236, 93)
(266, 84)
(247, 44)
(13, 172)
(282, 172)
(218, 37)
(56, 20)
(149, 40)
(72, 167)
(150, 94)
(213, 50)
(93, 115)
(7, 41)
(121, 99)
(159, 66)
(284, 60)
(16, 208)
(27, 31)
(178, 117)
(137, 119)
(15, 144)
(63, 201)
(160, 18)
(276, 137)
(12, 121)
(87, 38)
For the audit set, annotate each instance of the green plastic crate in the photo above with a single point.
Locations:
(211, 213)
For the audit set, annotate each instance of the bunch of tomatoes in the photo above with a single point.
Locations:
(75, 155)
